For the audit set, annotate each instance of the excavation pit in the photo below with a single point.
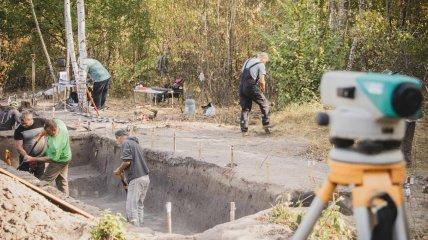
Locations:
(200, 192)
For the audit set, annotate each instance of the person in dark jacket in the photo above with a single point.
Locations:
(28, 143)
(251, 89)
(9, 116)
(136, 172)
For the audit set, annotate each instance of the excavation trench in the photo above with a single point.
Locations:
(200, 192)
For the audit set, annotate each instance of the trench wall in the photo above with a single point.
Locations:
(200, 192)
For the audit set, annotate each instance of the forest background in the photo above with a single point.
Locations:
(304, 38)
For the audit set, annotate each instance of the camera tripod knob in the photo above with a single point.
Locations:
(323, 119)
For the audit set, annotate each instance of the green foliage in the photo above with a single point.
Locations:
(384, 45)
(118, 33)
(330, 225)
(109, 226)
(302, 47)
(303, 37)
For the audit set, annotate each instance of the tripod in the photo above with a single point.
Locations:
(378, 180)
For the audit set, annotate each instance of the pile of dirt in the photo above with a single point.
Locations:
(25, 214)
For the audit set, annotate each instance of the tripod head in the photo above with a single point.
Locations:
(369, 109)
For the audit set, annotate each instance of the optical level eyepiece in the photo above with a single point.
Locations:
(323, 119)
(406, 100)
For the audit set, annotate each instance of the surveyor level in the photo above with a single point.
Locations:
(372, 183)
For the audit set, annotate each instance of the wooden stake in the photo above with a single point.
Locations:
(33, 79)
(232, 211)
(200, 150)
(175, 143)
(232, 162)
(113, 127)
(168, 217)
(53, 94)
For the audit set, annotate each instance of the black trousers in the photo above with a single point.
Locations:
(100, 93)
(249, 93)
(37, 171)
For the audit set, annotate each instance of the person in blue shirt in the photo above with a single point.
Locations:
(101, 77)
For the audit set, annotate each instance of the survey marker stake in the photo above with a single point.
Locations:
(200, 150)
(175, 142)
(232, 211)
(231, 163)
(168, 217)
(113, 127)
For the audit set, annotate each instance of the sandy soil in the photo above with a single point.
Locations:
(27, 215)
(280, 160)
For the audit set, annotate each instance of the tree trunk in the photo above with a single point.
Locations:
(45, 50)
(81, 38)
(231, 43)
(70, 39)
(351, 57)
(338, 14)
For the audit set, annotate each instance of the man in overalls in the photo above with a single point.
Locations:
(251, 89)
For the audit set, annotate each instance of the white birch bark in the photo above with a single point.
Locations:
(70, 39)
(81, 39)
(45, 50)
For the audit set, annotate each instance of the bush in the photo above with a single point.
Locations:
(302, 48)
(109, 227)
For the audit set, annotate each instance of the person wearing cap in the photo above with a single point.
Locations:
(9, 116)
(136, 172)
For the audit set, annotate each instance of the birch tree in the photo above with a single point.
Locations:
(70, 38)
(81, 39)
(45, 50)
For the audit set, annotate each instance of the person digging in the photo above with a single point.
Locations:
(101, 77)
(136, 173)
(57, 154)
(251, 88)
(30, 142)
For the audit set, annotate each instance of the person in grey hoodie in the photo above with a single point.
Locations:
(136, 174)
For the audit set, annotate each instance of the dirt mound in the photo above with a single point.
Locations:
(25, 214)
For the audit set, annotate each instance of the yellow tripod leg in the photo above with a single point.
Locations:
(317, 206)
(375, 183)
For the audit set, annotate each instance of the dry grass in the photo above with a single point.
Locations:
(420, 143)
(298, 121)
(295, 121)
(331, 224)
